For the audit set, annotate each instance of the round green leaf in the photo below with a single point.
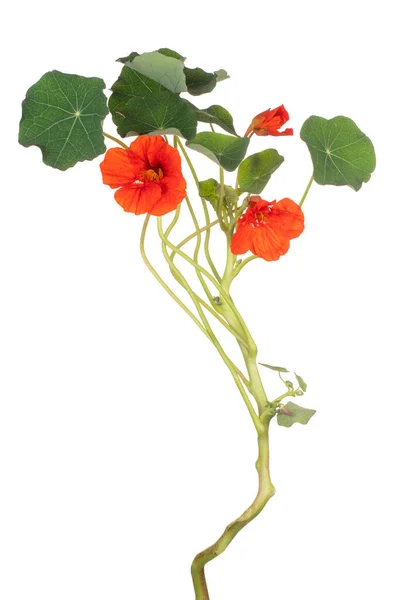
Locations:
(62, 114)
(256, 170)
(157, 113)
(341, 153)
(225, 150)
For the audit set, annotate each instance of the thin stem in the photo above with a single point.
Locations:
(265, 491)
(213, 268)
(210, 334)
(189, 162)
(114, 139)
(240, 324)
(239, 266)
(162, 282)
(197, 249)
(192, 235)
(304, 196)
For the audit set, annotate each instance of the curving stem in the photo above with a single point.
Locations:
(265, 491)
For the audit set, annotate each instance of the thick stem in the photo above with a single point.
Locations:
(265, 491)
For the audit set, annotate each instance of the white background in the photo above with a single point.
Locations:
(125, 446)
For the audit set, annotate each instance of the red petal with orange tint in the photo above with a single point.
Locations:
(117, 168)
(138, 199)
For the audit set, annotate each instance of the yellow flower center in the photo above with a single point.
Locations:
(260, 217)
(151, 175)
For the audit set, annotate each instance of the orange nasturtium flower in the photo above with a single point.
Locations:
(148, 175)
(269, 121)
(266, 228)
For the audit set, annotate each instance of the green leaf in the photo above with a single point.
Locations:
(341, 153)
(279, 369)
(157, 113)
(221, 75)
(225, 150)
(171, 53)
(165, 70)
(130, 56)
(208, 191)
(62, 114)
(199, 82)
(217, 115)
(298, 414)
(301, 382)
(165, 51)
(131, 84)
(256, 170)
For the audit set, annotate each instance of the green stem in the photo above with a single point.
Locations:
(114, 139)
(304, 196)
(194, 234)
(244, 262)
(213, 268)
(189, 162)
(265, 491)
(210, 334)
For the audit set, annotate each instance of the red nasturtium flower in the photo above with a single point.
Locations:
(266, 228)
(269, 121)
(148, 175)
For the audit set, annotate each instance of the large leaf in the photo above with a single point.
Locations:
(225, 150)
(140, 106)
(165, 70)
(298, 414)
(62, 114)
(341, 153)
(218, 115)
(256, 170)
(157, 113)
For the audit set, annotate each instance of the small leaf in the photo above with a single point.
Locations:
(256, 170)
(210, 191)
(165, 70)
(62, 114)
(157, 113)
(199, 82)
(302, 383)
(279, 369)
(217, 115)
(221, 75)
(298, 414)
(225, 150)
(341, 153)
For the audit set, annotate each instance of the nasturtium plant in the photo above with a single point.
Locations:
(151, 103)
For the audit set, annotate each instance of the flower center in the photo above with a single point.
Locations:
(151, 175)
(260, 218)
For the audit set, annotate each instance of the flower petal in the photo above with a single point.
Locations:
(138, 199)
(173, 192)
(117, 168)
(290, 217)
(242, 238)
